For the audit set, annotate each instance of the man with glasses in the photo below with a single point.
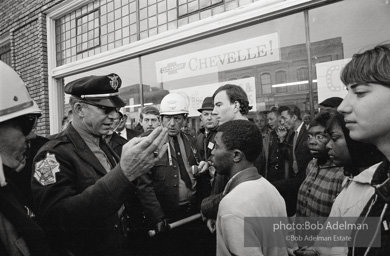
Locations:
(173, 188)
(80, 186)
(19, 233)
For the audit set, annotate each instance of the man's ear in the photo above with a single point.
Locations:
(238, 155)
(78, 109)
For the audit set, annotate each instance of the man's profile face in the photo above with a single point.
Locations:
(209, 119)
(150, 122)
(223, 108)
(221, 157)
(173, 123)
(273, 120)
(116, 121)
(13, 141)
(287, 120)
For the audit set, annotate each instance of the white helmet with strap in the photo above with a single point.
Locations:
(15, 100)
(173, 104)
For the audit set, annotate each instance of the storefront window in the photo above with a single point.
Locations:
(129, 73)
(347, 27)
(268, 59)
(248, 57)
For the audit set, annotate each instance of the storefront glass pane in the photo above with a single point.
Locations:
(338, 31)
(129, 72)
(257, 57)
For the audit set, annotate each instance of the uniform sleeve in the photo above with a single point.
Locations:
(148, 198)
(61, 202)
(209, 206)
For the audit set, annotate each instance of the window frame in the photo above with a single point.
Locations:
(256, 12)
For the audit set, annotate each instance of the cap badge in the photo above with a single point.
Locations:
(46, 169)
(172, 104)
(114, 81)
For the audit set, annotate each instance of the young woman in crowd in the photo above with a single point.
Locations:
(367, 115)
(359, 161)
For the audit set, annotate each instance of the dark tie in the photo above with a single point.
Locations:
(103, 145)
(295, 164)
(183, 171)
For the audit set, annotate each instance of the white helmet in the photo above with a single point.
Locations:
(14, 98)
(173, 104)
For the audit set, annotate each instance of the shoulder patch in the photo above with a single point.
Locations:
(46, 169)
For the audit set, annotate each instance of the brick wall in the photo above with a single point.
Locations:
(25, 23)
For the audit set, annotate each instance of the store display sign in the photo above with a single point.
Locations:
(196, 94)
(328, 79)
(254, 51)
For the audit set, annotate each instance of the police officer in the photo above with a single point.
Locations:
(173, 188)
(19, 234)
(80, 186)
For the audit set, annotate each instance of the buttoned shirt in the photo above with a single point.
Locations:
(185, 194)
(93, 144)
(318, 191)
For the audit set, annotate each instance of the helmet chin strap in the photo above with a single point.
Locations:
(12, 162)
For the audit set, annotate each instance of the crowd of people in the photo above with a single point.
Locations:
(163, 191)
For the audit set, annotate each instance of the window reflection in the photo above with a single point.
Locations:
(269, 60)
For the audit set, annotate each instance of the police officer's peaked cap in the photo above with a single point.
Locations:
(332, 102)
(207, 104)
(101, 90)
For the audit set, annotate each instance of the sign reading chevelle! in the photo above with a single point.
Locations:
(254, 51)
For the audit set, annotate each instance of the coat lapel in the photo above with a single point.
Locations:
(300, 135)
(83, 150)
(187, 146)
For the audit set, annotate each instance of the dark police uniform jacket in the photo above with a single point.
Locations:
(19, 234)
(77, 201)
(116, 143)
(159, 188)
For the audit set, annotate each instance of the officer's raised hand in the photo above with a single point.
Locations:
(140, 154)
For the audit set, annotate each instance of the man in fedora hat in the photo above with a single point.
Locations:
(205, 141)
(205, 138)
(80, 186)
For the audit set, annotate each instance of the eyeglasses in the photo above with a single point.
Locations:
(27, 123)
(106, 110)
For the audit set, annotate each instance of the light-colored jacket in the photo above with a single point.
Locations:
(350, 203)
(248, 199)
